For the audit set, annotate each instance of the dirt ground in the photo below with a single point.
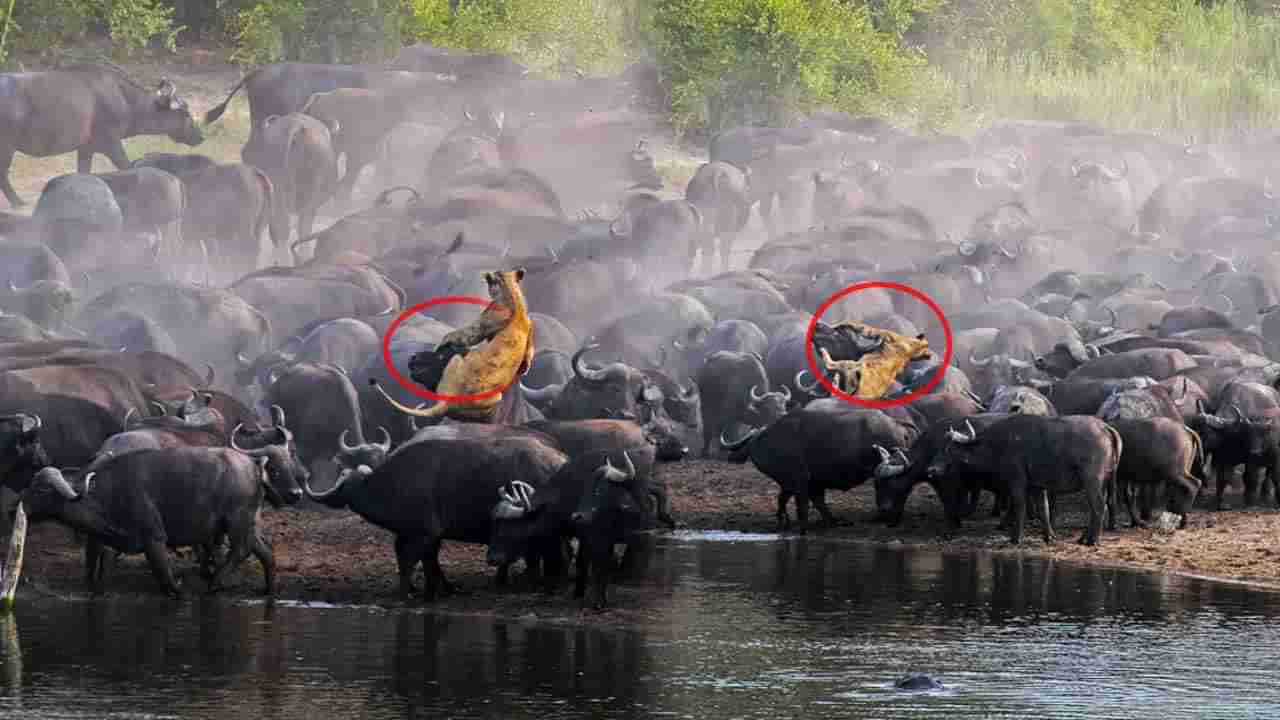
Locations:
(326, 556)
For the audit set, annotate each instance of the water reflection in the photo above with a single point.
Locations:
(752, 627)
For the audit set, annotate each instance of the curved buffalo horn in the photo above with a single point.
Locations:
(620, 227)
(277, 416)
(977, 178)
(161, 407)
(1115, 319)
(209, 376)
(977, 400)
(337, 486)
(967, 248)
(581, 370)
(662, 359)
(630, 472)
(811, 389)
(741, 442)
(385, 445)
(384, 197)
(1092, 352)
(1019, 364)
(884, 454)
(543, 394)
(786, 394)
(1179, 256)
(1075, 168)
(391, 309)
(244, 361)
(343, 446)
(14, 289)
(128, 415)
(1124, 171)
(303, 241)
(756, 397)
(88, 482)
(59, 483)
(552, 252)
(260, 452)
(1236, 409)
(973, 360)
(691, 392)
(1231, 306)
(1005, 251)
(166, 88)
(39, 423)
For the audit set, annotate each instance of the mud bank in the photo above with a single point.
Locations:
(326, 556)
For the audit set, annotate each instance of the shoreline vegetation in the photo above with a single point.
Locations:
(1176, 68)
(335, 558)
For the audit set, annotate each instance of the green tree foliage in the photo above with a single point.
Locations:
(758, 61)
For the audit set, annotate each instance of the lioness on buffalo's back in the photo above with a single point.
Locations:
(195, 351)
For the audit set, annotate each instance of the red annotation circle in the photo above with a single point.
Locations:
(414, 388)
(812, 356)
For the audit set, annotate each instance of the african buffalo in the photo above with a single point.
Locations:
(86, 108)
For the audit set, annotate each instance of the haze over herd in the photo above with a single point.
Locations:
(188, 342)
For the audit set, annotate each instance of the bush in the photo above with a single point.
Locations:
(732, 62)
(316, 31)
(550, 36)
(134, 23)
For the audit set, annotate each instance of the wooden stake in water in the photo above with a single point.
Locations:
(12, 569)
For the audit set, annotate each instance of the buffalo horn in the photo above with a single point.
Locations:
(757, 396)
(1019, 364)
(59, 483)
(277, 416)
(786, 394)
(741, 442)
(163, 410)
(386, 440)
(251, 453)
(973, 360)
(128, 415)
(968, 247)
(343, 445)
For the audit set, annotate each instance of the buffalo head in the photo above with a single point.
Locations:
(283, 473)
(169, 115)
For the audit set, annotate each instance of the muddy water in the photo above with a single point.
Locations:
(744, 627)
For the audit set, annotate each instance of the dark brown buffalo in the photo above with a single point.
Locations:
(808, 452)
(230, 209)
(722, 193)
(1039, 457)
(296, 151)
(1162, 454)
(87, 108)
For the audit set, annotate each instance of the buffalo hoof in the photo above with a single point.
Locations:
(918, 682)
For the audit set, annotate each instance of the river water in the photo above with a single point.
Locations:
(747, 627)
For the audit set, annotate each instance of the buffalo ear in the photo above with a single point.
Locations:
(488, 277)
(920, 336)
(519, 274)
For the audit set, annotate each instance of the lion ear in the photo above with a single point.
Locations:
(488, 277)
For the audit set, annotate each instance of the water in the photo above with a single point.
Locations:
(749, 627)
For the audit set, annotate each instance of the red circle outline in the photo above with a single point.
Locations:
(416, 389)
(821, 377)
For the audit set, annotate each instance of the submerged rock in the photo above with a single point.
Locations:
(918, 681)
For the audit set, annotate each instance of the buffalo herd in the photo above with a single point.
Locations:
(184, 338)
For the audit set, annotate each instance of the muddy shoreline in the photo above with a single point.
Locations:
(334, 557)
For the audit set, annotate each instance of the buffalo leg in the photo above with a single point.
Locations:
(1250, 478)
(1222, 472)
(94, 559)
(6, 160)
(582, 567)
(262, 551)
(802, 511)
(1135, 517)
(1097, 499)
(116, 154)
(784, 521)
(84, 159)
(408, 553)
(158, 559)
(1046, 518)
(239, 551)
(820, 502)
(1017, 516)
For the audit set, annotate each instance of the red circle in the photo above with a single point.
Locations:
(418, 390)
(821, 377)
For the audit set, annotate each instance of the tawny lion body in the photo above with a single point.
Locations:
(870, 376)
(500, 349)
